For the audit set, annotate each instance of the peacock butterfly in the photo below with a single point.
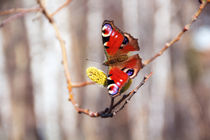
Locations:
(122, 68)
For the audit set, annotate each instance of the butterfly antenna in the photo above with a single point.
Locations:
(95, 61)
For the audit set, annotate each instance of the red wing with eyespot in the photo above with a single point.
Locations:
(116, 80)
(119, 75)
(132, 66)
(115, 41)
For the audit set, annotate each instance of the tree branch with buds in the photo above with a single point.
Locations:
(111, 110)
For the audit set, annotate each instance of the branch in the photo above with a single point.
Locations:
(109, 112)
(178, 37)
(60, 8)
(82, 84)
(65, 64)
(133, 92)
(62, 45)
(18, 12)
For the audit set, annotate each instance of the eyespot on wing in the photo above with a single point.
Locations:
(106, 30)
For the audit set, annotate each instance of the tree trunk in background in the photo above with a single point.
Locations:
(17, 59)
(139, 22)
(182, 111)
(161, 70)
(78, 56)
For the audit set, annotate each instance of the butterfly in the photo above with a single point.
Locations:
(122, 67)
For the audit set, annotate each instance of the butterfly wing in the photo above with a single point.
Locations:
(132, 66)
(129, 44)
(115, 41)
(120, 75)
(122, 68)
(116, 80)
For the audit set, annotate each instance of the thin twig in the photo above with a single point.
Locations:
(178, 37)
(77, 85)
(62, 45)
(10, 18)
(125, 96)
(20, 10)
(109, 112)
(60, 8)
(65, 64)
(133, 92)
(111, 104)
(47, 15)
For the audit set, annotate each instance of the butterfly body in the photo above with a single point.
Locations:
(116, 60)
(122, 67)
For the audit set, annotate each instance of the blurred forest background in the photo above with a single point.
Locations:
(174, 104)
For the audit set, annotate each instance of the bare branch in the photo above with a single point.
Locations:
(65, 64)
(82, 84)
(62, 44)
(20, 10)
(133, 92)
(178, 37)
(60, 8)
(10, 19)
(108, 112)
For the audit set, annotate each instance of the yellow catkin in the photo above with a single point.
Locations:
(96, 75)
